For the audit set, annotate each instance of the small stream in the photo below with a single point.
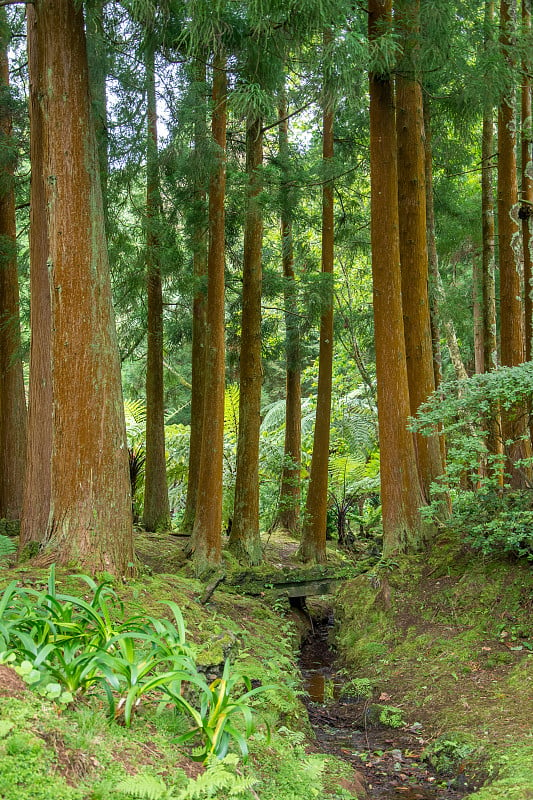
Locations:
(388, 759)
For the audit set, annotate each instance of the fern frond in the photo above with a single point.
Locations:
(136, 410)
(144, 787)
(219, 779)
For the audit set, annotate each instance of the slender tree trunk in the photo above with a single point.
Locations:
(156, 512)
(199, 322)
(455, 352)
(37, 486)
(413, 242)
(313, 544)
(288, 515)
(433, 259)
(245, 541)
(12, 397)
(206, 540)
(90, 521)
(488, 268)
(477, 304)
(513, 350)
(526, 208)
(97, 56)
(401, 495)
(490, 342)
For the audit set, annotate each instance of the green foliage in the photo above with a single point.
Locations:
(491, 520)
(495, 523)
(7, 547)
(446, 753)
(62, 645)
(219, 779)
(220, 702)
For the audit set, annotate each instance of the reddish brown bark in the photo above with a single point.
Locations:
(90, 521)
(156, 511)
(513, 349)
(413, 243)
(313, 543)
(245, 541)
(526, 210)
(488, 267)
(12, 397)
(206, 540)
(37, 486)
(199, 322)
(401, 495)
(288, 516)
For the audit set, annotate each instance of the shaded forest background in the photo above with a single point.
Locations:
(275, 230)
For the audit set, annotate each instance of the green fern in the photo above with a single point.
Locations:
(145, 787)
(219, 780)
(7, 547)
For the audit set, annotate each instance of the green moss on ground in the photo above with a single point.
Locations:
(449, 640)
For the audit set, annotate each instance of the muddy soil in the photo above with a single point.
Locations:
(389, 759)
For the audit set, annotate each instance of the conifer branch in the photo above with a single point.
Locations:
(288, 116)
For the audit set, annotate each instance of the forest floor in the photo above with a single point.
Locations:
(426, 685)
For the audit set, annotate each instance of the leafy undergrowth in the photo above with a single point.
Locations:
(74, 751)
(449, 641)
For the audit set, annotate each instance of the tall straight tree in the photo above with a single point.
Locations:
(490, 342)
(245, 541)
(206, 540)
(413, 242)
(288, 515)
(90, 520)
(37, 485)
(513, 351)
(526, 208)
(156, 511)
(401, 495)
(12, 397)
(313, 542)
(488, 262)
(198, 223)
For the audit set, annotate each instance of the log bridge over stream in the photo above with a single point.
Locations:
(291, 583)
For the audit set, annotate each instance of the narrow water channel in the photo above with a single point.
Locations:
(389, 759)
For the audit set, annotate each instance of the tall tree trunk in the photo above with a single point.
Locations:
(97, 56)
(401, 495)
(413, 242)
(37, 486)
(513, 350)
(156, 512)
(90, 521)
(433, 259)
(313, 543)
(288, 515)
(245, 541)
(526, 208)
(206, 540)
(12, 397)
(477, 305)
(488, 267)
(199, 247)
